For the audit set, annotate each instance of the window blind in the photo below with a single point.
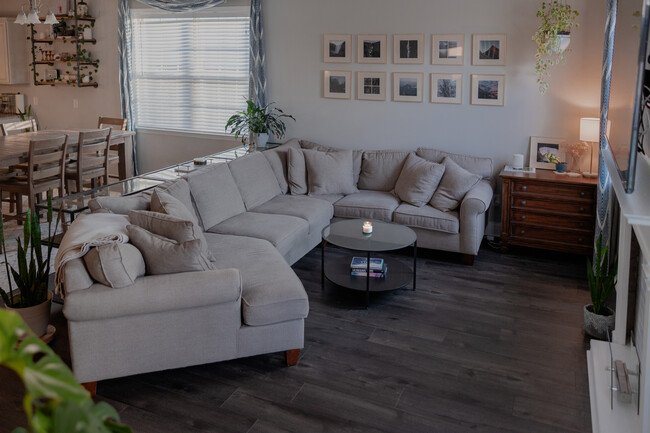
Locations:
(189, 73)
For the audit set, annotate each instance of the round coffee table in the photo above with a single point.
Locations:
(385, 237)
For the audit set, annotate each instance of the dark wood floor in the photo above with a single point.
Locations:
(497, 347)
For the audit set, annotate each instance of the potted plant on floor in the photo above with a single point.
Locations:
(32, 299)
(552, 38)
(256, 123)
(602, 279)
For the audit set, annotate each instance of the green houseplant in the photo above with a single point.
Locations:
(552, 38)
(54, 401)
(601, 276)
(256, 122)
(560, 166)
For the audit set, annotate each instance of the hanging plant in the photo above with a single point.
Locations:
(551, 38)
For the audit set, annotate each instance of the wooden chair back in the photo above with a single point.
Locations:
(46, 164)
(12, 128)
(112, 122)
(92, 156)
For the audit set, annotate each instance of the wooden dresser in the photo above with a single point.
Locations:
(549, 211)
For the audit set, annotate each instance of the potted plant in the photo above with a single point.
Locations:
(552, 38)
(602, 279)
(32, 300)
(560, 166)
(257, 122)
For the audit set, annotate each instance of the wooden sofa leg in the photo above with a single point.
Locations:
(468, 259)
(91, 387)
(292, 357)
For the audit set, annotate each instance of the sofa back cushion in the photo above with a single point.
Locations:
(329, 172)
(380, 169)
(216, 194)
(356, 155)
(418, 180)
(297, 172)
(255, 179)
(473, 164)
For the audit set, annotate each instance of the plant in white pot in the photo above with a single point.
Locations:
(257, 122)
(31, 300)
(552, 38)
(599, 318)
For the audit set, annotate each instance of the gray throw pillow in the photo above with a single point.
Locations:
(296, 172)
(166, 256)
(330, 172)
(454, 185)
(418, 180)
(165, 225)
(115, 265)
(380, 169)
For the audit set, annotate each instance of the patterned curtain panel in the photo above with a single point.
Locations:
(124, 54)
(257, 74)
(181, 5)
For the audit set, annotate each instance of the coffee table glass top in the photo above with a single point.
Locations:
(384, 237)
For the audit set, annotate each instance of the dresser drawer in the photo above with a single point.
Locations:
(523, 201)
(562, 221)
(576, 237)
(553, 190)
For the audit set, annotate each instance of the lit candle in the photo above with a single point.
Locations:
(367, 227)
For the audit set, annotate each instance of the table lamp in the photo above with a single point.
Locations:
(590, 134)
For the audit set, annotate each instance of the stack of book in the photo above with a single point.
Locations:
(359, 267)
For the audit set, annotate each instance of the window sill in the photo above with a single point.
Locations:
(176, 133)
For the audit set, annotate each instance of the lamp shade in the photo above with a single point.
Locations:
(21, 18)
(589, 129)
(32, 18)
(51, 19)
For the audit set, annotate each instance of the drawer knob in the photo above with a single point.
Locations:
(523, 232)
(582, 193)
(581, 225)
(523, 217)
(523, 202)
(579, 239)
(582, 209)
(524, 188)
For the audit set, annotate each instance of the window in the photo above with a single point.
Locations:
(189, 73)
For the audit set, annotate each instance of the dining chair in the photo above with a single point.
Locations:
(23, 126)
(92, 160)
(46, 162)
(115, 123)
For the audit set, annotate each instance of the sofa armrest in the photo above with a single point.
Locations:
(154, 294)
(477, 200)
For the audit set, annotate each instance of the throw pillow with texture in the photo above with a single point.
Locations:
(166, 256)
(455, 183)
(115, 265)
(329, 172)
(296, 172)
(418, 180)
(165, 225)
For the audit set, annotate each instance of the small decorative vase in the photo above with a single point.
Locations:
(561, 167)
(562, 41)
(261, 140)
(596, 325)
(88, 33)
(36, 317)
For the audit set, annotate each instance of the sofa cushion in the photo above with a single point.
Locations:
(357, 155)
(278, 159)
(329, 172)
(473, 164)
(283, 231)
(316, 212)
(426, 217)
(330, 198)
(255, 179)
(296, 172)
(119, 205)
(166, 256)
(418, 180)
(367, 204)
(271, 291)
(454, 185)
(180, 190)
(115, 265)
(380, 169)
(216, 194)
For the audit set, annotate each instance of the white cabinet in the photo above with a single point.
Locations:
(13, 52)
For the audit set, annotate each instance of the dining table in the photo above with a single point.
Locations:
(14, 149)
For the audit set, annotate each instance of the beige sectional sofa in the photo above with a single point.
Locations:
(255, 225)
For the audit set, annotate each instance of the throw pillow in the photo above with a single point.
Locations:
(418, 180)
(115, 265)
(166, 256)
(330, 172)
(454, 185)
(297, 172)
(165, 225)
(356, 155)
(380, 169)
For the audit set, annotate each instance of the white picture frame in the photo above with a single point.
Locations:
(336, 84)
(371, 86)
(337, 48)
(408, 48)
(488, 89)
(541, 145)
(489, 49)
(408, 86)
(446, 88)
(448, 49)
(371, 48)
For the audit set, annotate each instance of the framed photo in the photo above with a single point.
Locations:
(336, 84)
(371, 48)
(489, 50)
(407, 86)
(488, 89)
(539, 146)
(448, 49)
(337, 48)
(447, 88)
(371, 86)
(408, 48)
